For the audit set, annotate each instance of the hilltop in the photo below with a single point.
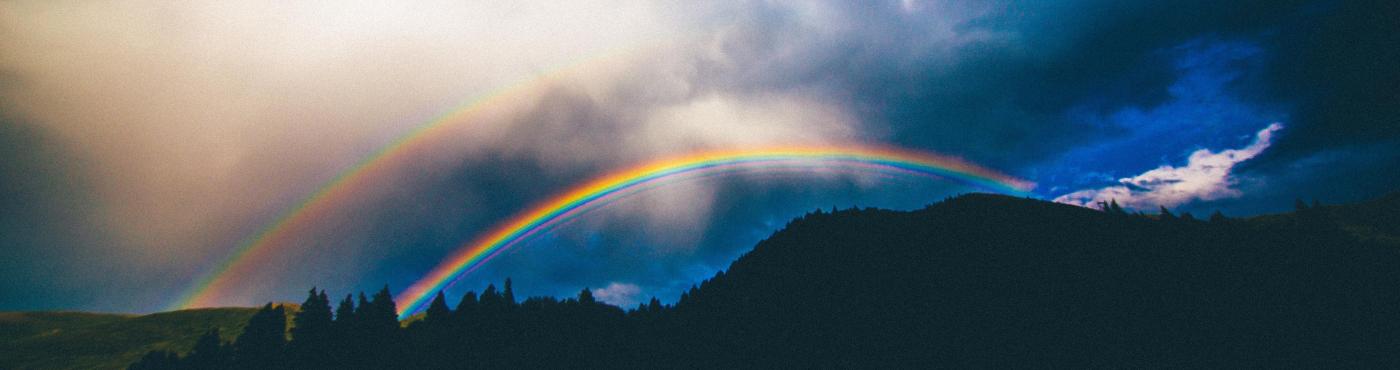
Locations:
(994, 281)
(973, 281)
(78, 340)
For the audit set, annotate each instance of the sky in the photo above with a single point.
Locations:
(142, 141)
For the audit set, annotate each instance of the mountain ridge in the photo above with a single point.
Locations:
(983, 280)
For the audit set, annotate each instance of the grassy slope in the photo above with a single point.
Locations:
(75, 340)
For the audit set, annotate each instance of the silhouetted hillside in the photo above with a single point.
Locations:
(974, 281)
(986, 280)
(75, 340)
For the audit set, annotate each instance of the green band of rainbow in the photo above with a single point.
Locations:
(472, 255)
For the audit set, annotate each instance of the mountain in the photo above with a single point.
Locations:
(994, 281)
(973, 281)
(76, 340)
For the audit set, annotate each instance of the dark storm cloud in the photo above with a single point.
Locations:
(48, 229)
(40, 196)
(1014, 84)
(1074, 95)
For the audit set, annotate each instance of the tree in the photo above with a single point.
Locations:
(262, 339)
(466, 307)
(345, 312)
(438, 312)
(1115, 209)
(362, 310)
(1217, 217)
(383, 317)
(586, 297)
(1298, 205)
(208, 352)
(345, 337)
(1165, 214)
(490, 295)
(312, 323)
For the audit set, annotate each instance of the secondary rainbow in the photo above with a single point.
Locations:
(543, 215)
(215, 281)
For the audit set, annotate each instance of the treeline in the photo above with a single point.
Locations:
(973, 281)
(490, 330)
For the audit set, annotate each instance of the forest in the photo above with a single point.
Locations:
(972, 281)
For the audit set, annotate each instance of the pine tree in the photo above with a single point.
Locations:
(438, 312)
(383, 316)
(313, 323)
(312, 332)
(466, 307)
(379, 331)
(262, 338)
(208, 352)
(490, 297)
(1117, 210)
(509, 294)
(345, 336)
(586, 297)
(1217, 217)
(345, 312)
(363, 304)
(1165, 214)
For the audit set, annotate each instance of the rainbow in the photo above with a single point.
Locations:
(208, 287)
(608, 188)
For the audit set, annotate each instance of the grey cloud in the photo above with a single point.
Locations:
(193, 124)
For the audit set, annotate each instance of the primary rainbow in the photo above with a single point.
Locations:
(604, 189)
(215, 281)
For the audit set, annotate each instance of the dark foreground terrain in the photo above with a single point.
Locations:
(78, 340)
(973, 281)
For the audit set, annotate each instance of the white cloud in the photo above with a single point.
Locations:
(1206, 176)
(619, 294)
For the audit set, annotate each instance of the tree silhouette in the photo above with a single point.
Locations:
(974, 281)
(312, 331)
(263, 338)
(345, 312)
(1116, 209)
(312, 323)
(586, 297)
(208, 352)
(437, 310)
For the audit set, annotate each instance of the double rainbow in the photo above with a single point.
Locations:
(608, 188)
(215, 282)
